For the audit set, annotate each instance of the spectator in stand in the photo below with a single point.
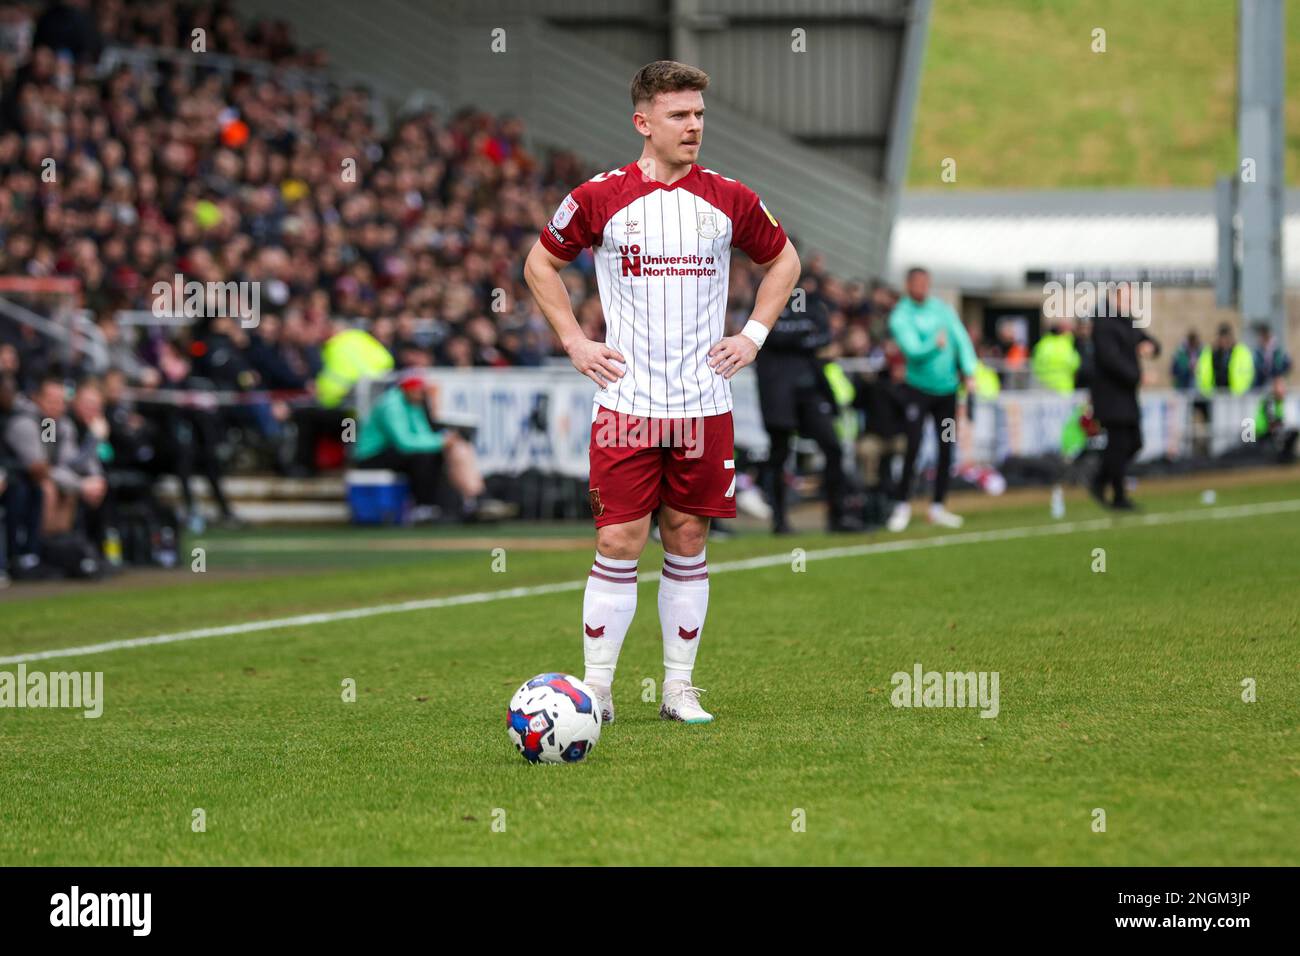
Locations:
(882, 302)
(132, 437)
(273, 361)
(13, 523)
(1183, 368)
(68, 26)
(1055, 359)
(1228, 366)
(458, 352)
(281, 372)
(51, 482)
(349, 358)
(1271, 360)
(94, 451)
(189, 436)
(225, 355)
(1010, 338)
(1271, 431)
(398, 435)
(10, 366)
(483, 334)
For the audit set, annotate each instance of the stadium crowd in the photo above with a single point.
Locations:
(413, 231)
(138, 175)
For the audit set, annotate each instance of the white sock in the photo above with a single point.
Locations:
(683, 604)
(607, 610)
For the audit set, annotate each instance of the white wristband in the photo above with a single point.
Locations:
(755, 331)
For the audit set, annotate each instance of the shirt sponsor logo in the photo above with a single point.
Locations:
(634, 263)
(631, 260)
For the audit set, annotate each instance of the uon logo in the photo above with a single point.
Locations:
(631, 259)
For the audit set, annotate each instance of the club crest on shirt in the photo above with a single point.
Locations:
(706, 224)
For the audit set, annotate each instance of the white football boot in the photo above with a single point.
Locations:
(604, 701)
(944, 518)
(750, 501)
(899, 517)
(682, 702)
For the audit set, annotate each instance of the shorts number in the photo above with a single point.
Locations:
(730, 463)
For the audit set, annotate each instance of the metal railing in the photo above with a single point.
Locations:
(146, 60)
(72, 330)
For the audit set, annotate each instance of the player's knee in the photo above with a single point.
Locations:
(683, 534)
(622, 541)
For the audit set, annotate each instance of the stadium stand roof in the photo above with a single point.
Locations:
(992, 240)
(823, 136)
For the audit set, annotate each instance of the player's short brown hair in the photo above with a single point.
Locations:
(665, 76)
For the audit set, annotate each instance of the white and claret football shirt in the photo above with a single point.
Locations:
(663, 254)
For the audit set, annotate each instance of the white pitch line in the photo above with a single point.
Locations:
(747, 564)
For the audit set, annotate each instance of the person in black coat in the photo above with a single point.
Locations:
(883, 436)
(794, 396)
(1116, 375)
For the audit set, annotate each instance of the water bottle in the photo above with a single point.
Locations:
(165, 548)
(113, 547)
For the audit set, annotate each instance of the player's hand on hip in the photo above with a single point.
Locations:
(732, 354)
(596, 361)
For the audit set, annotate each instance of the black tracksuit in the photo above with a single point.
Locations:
(1115, 379)
(795, 397)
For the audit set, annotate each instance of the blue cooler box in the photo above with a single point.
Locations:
(376, 496)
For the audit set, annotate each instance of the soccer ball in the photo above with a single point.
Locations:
(553, 718)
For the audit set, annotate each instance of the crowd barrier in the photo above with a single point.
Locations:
(541, 419)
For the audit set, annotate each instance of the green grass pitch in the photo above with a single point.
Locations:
(1145, 112)
(1120, 691)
